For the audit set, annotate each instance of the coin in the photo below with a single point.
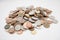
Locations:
(27, 15)
(20, 19)
(38, 22)
(30, 19)
(37, 11)
(8, 20)
(21, 13)
(32, 12)
(17, 27)
(11, 30)
(7, 26)
(46, 25)
(35, 18)
(26, 18)
(33, 32)
(27, 24)
(20, 32)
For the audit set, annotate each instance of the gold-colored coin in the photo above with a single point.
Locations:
(33, 32)
(46, 25)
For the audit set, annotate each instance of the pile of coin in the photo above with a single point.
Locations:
(28, 18)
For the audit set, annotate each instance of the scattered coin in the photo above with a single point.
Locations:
(33, 32)
(20, 32)
(46, 25)
(7, 26)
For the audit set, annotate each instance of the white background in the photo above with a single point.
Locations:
(52, 33)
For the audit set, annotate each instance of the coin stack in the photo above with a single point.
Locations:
(28, 18)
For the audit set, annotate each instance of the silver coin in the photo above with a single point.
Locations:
(26, 18)
(37, 23)
(32, 12)
(35, 18)
(31, 20)
(17, 27)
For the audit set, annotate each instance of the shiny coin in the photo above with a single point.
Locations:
(20, 32)
(17, 27)
(35, 18)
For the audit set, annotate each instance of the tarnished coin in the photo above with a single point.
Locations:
(47, 10)
(20, 19)
(15, 11)
(46, 25)
(26, 18)
(11, 30)
(21, 13)
(31, 29)
(13, 15)
(7, 26)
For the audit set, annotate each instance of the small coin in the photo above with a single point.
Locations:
(17, 27)
(32, 12)
(11, 30)
(20, 32)
(35, 18)
(37, 11)
(7, 26)
(46, 25)
(20, 19)
(33, 32)
(27, 15)
(8, 20)
(38, 22)
(21, 13)
(31, 28)
(30, 19)
(27, 24)
(26, 18)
